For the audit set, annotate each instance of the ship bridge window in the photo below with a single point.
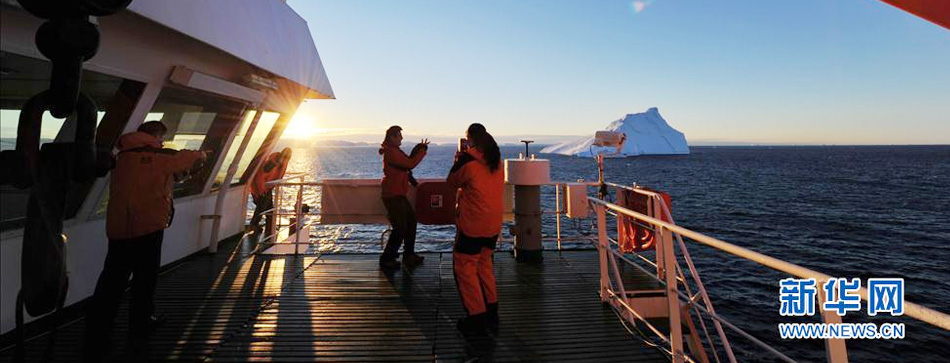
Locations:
(22, 77)
(195, 121)
(264, 126)
(268, 142)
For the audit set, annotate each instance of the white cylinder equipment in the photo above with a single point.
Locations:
(527, 175)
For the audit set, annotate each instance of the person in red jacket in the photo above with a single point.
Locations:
(140, 208)
(273, 168)
(397, 175)
(478, 173)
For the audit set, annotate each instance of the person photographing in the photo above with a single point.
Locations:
(478, 174)
(140, 209)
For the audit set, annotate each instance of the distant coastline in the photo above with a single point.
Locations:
(538, 145)
(10, 144)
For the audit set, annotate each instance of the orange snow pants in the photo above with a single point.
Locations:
(475, 279)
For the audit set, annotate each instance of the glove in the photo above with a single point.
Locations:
(418, 148)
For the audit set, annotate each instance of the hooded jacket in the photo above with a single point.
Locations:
(271, 169)
(140, 191)
(396, 168)
(481, 200)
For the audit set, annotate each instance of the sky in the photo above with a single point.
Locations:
(749, 71)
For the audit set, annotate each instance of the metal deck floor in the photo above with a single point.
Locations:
(343, 308)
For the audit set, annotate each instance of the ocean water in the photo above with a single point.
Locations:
(862, 211)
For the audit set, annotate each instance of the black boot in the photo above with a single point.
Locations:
(472, 325)
(491, 316)
(95, 348)
(411, 259)
(146, 326)
(387, 263)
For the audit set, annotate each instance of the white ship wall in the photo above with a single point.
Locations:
(134, 48)
(86, 249)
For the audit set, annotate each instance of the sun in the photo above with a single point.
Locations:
(303, 125)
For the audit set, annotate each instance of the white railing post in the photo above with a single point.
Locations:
(557, 212)
(273, 224)
(602, 246)
(835, 349)
(702, 291)
(664, 237)
(661, 246)
(665, 232)
(298, 224)
(618, 279)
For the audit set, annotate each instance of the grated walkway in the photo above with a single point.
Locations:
(343, 308)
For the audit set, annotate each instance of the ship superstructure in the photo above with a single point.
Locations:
(203, 68)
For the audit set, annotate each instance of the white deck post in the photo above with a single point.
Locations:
(557, 212)
(835, 349)
(299, 223)
(664, 237)
(273, 224)
(602, 246)
(661, 245)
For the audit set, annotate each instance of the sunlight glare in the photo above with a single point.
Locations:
(638, 6)
(303, 125)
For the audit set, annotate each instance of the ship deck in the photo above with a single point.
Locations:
(251, 307)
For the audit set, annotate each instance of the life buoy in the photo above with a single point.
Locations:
(635, 236)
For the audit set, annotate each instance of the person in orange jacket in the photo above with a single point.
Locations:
(140, 208)
(478, 173)
(397, 175)
(273, 168)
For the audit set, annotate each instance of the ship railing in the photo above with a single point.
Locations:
(293, 223)
(293, 195)
(691, 301)
(670, 276)
(560, 211)
(669, 237)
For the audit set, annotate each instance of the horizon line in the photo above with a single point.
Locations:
(695, 144)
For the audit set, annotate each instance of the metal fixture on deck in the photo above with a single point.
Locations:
(527, 174)
(526, 142)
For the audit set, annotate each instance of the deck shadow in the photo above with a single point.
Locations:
(241, 307)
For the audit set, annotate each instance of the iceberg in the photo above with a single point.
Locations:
(646, 133)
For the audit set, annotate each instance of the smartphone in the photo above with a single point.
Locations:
(463, 144)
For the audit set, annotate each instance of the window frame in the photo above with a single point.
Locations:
(238, 178)
(265, 149)
(118, 111)
(228, 117)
